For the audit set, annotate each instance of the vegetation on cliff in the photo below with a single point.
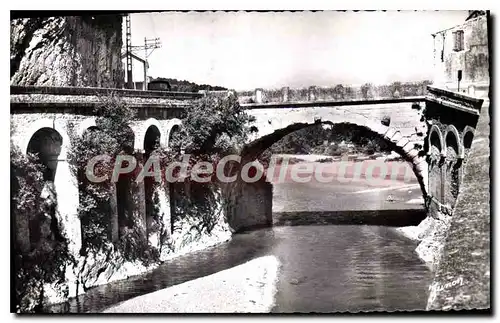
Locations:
(213, 127)
(44, 261)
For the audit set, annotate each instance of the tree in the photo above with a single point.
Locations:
(212, 127)
(367, 91)
(215, 124)
(396, 89)
(339, 92)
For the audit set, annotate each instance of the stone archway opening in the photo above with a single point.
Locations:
(46, 144)
(452, 168)
(125, 188)
(174, 141)
(393, 181)
(467, 141)
(177, 191)
(435, 164)
(151, 142)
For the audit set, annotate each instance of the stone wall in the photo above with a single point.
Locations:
(67, 51)
(252, 205)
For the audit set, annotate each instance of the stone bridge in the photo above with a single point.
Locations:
(433, 133)
(41, 119)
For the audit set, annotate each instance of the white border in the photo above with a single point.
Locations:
(211, 5)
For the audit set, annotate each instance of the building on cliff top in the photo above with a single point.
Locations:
(461, 52)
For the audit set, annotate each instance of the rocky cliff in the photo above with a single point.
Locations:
(67, 51)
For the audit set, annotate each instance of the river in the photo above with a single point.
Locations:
(323, 268)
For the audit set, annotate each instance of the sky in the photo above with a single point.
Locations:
(248, 50)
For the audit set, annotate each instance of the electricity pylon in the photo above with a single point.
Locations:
(149, 45)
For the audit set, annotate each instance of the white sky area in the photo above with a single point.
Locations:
(248, 50)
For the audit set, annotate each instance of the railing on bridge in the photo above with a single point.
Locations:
(329, 103)
(81, 100)
(90, 91)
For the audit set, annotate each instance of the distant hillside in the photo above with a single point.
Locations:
(186, 86)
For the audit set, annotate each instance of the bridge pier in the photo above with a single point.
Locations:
(259, 96)
(286, 93)
(115, 227)
(66, 187)
(138, 197)
(160, 231)
(252, 205)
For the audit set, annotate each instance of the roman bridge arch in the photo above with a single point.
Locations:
(399, 123)
(411, 151)
(433, 133)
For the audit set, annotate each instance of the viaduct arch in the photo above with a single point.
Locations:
(49, 136)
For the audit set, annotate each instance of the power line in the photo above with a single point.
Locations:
(128, 44)
(149, 46)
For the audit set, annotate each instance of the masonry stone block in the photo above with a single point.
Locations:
(396, 137)
(389, 133)
(252, 205)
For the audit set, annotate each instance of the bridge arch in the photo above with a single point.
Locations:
(435, 139)
(452, 165)
(453, 138)
(140, 128)
(391, 136)
(45, 123)
(84, 125)
(466, 139)
(47, 141)
(172, 126)
(152, 139)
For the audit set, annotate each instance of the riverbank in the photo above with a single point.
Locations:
(100, 271)
(430, 234)
(247, 288)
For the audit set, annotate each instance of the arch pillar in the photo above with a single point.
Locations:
(168, 126)
(452, 166)
(65, 182)
(157, 206)
(66, 187)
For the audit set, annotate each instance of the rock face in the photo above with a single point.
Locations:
(67, 51)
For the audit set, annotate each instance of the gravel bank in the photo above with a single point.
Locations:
(246, 288)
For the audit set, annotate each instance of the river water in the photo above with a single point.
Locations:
(324, 268)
